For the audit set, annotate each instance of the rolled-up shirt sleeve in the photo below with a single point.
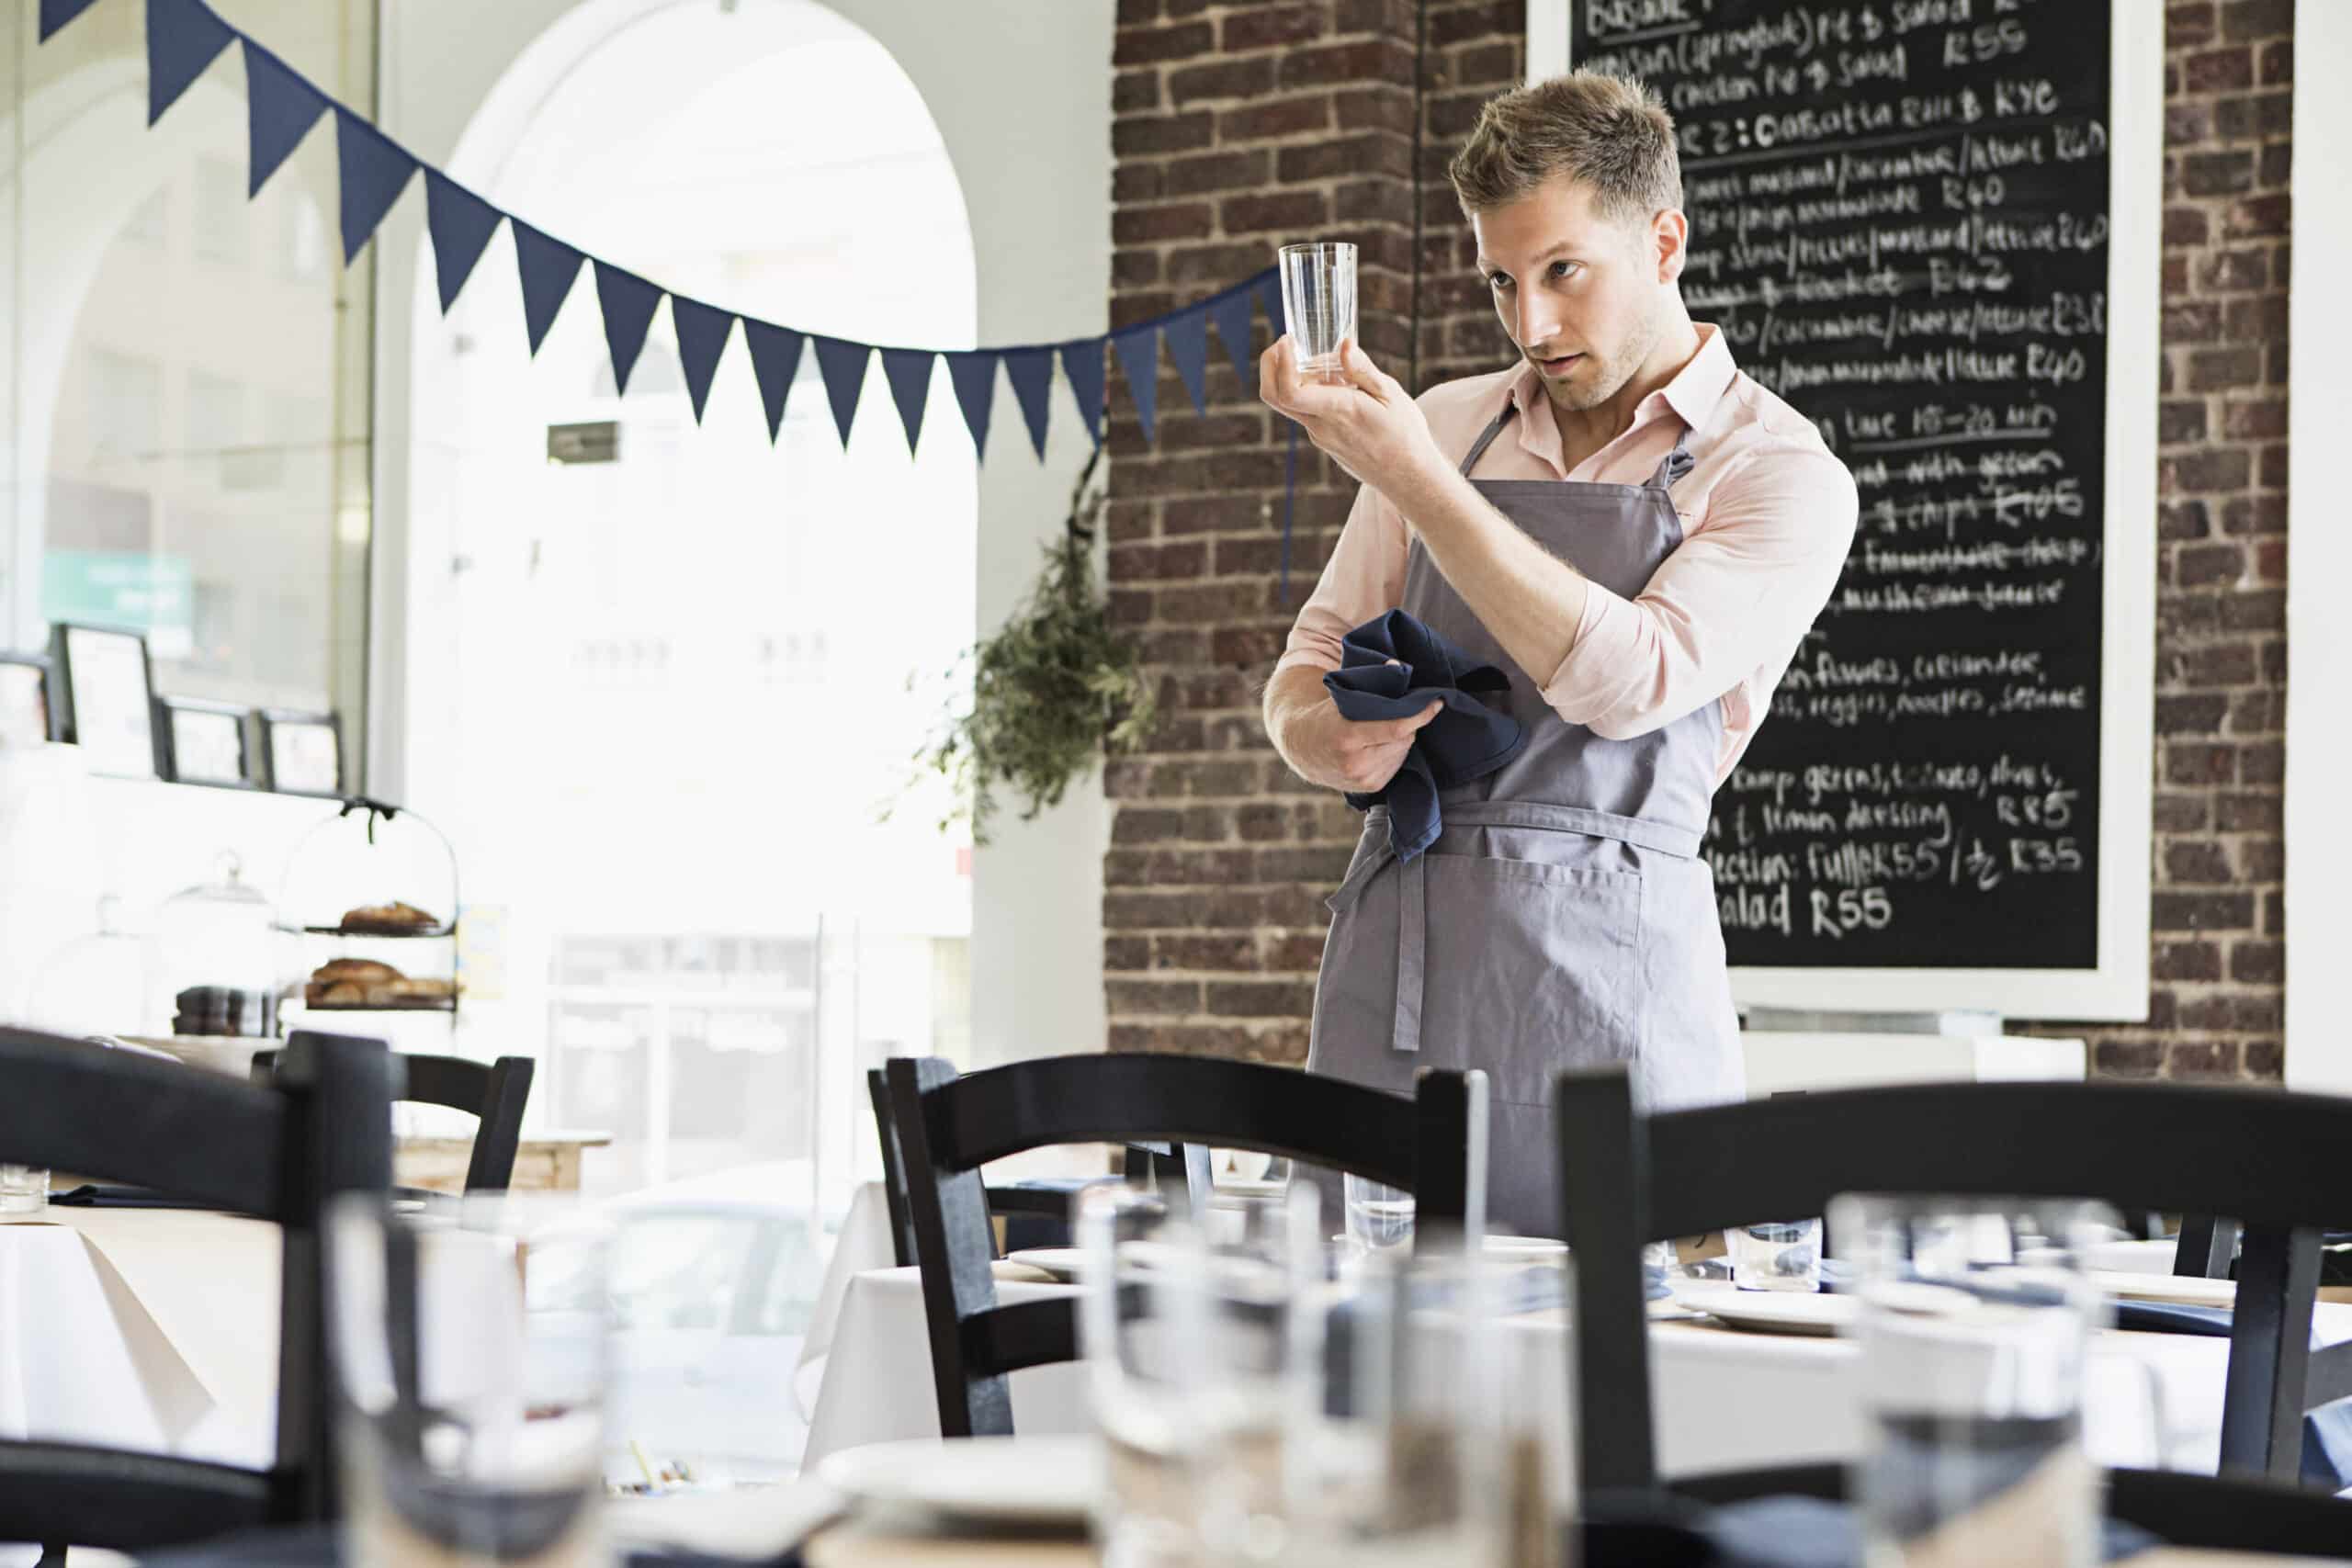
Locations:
(1740, 592)
(1364, 578)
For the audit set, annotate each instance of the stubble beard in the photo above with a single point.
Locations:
(1607, 377)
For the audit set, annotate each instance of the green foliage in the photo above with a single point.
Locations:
(1054, 690)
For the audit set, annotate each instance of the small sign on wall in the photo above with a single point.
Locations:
(597, 441)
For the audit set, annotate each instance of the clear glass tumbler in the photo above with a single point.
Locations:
(1318, 303)
(1408, 1439)
(1976, 1315)
(1777, 1257)
(1187, 1342)
(23, 1190)
(1379, 1217)
(470, 1350)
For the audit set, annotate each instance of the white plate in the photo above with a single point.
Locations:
(2187, 1290)
(1768, 1312)
(1524, 1247)
(1029, 1479)
(2131, 1256)
(1061, 1263)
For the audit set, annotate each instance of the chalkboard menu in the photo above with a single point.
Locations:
(1900, 220)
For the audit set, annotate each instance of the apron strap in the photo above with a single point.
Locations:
(1478, 450)
(1412, 950)
(1675, 464)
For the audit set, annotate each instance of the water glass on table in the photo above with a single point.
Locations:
(1318, 304)
(1379, 1217)
(470, 1349)
(1780, 1256)
(1187, 1340)
(23, 1190)
(1976, 1316)
(1409, 1437)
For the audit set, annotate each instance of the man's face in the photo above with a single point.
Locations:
(1582, 295)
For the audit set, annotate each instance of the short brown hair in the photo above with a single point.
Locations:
(1611, 132)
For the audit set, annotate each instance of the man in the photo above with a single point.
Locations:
(1638, 536)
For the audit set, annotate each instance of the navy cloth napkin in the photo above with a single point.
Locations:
(1390, 667)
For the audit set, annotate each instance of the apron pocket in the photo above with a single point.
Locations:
(1533, 968)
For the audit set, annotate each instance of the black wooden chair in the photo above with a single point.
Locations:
(277, 1155)
(1174, 1166)
(949, 1127)
(2207, 1249)
(2274, 1159)
(494, 1094)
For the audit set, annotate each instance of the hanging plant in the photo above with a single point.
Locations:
(1053, 691)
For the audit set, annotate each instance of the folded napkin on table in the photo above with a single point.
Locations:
(1391, 667)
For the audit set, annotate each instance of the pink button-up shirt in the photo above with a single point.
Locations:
(1768, 516)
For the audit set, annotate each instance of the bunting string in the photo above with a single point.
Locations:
(186, 37)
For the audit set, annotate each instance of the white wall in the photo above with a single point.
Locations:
(2319, 634)
(1020, 92)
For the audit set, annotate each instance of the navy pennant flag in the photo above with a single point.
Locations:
(548, 267)
(55, 14)
(1138, 355)
(973, 374)
(1230, 311)
(628, 303)
(184, 37)
(1031, 371)
(461, 224)
(702, 338)
(909, 372)
(373, 172)
(1082, 363)
(775, 362)
(1270, 299)
(1188, 349)
(842, 365)
(280, 109)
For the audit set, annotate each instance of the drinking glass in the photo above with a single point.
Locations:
(1187, 1344)
(1378, 1217)
(1976, 1315)
(23, 1190)
(470, 1349)
(1409, 1437)
(1776, 1256)
(1318, 304)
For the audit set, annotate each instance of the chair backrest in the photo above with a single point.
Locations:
(948, 1126)
(277, 1155)
(496, 1094)
(2272, 1159)
(1170, 1164)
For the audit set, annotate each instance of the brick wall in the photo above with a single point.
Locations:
(1238, 127)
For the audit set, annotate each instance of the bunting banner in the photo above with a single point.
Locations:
(186, 38)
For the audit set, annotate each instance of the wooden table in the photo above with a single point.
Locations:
(547, 1163)
(850, 1546)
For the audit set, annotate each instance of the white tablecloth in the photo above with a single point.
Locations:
(153, 1329)
(1720, 1399)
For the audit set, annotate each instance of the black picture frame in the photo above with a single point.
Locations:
(280, 727)
(92, 705)
(21, 673)
(173, 712)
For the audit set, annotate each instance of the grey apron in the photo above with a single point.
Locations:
(1563, 918)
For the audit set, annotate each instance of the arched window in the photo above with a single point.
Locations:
(660, 701)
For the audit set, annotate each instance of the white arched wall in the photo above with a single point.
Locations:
(1020, 94)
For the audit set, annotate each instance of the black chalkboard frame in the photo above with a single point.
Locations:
(2115, 987)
